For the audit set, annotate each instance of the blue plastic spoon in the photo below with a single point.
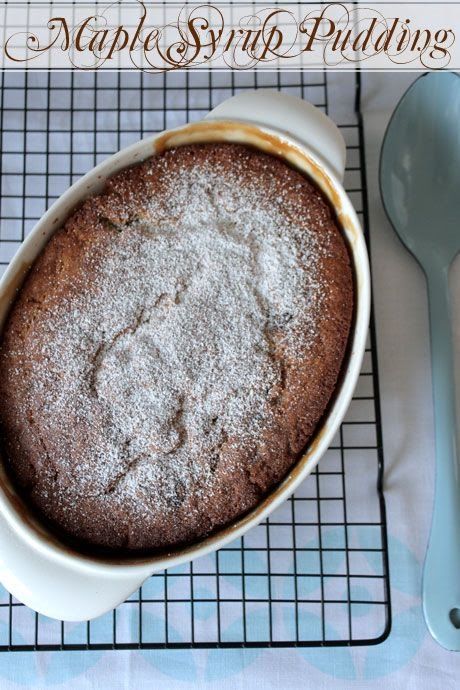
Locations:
(420, 186)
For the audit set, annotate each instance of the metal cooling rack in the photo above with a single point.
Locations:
(316, 572)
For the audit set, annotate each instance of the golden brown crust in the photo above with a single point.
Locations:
(242, 472)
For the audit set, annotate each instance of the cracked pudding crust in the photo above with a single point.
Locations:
(174, 347)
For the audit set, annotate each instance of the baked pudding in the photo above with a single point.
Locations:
(174, 347)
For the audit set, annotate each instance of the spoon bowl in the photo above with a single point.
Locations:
(420, 167)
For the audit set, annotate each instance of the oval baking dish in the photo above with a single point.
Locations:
(44, 572)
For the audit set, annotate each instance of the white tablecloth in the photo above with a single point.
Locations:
(409, 658)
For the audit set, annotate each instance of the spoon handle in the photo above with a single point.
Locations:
(441, 578)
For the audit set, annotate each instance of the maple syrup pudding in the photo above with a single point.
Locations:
(174, 347)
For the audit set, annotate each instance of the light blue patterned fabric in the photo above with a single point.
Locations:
(217, 668)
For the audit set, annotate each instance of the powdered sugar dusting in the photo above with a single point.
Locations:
(169, 352)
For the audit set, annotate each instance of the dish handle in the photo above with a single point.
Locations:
(293, 116)
(57, 589)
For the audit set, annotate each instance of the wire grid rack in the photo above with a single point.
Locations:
(316, 572)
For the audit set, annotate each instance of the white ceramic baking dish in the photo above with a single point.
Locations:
(38, 568)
